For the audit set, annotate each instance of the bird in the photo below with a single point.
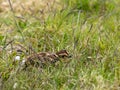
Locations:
(41, 59)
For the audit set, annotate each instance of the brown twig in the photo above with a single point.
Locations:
(8, 44)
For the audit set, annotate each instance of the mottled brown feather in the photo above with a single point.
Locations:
(42, 58)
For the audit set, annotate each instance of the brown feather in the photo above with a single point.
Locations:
(42, 58)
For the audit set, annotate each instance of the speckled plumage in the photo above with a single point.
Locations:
(42, 58)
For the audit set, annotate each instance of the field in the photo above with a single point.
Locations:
(89, 30)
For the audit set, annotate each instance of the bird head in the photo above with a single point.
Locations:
(63, 54)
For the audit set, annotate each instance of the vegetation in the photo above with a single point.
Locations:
(88, 29)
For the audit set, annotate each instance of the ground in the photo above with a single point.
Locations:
(89, 30)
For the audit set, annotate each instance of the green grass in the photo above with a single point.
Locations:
(89, 30)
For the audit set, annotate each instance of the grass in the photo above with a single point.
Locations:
(89, 30)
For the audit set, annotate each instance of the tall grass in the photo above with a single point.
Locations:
(89, 30)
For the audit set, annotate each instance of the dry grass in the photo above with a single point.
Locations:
(88, 31)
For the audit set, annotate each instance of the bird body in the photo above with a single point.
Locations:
(44, 58)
